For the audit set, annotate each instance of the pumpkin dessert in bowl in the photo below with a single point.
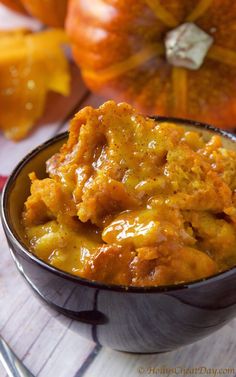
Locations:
(135, 201)
(130, 212)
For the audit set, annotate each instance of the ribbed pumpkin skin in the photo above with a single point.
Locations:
(105, 33)
(50, 12)
(14, 5)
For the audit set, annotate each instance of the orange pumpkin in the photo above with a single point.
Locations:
(121, 47)
(14, 5)
(50, 12)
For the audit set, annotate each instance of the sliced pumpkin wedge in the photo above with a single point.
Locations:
(31, 65)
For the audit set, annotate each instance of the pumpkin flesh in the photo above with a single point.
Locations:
(31, 65)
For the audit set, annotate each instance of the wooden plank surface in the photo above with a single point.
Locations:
(216, 351)
(50, 349)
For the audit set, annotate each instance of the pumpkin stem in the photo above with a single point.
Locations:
(187, 46)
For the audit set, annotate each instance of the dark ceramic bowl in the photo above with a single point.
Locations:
(145, 320)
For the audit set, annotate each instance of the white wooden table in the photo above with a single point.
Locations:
(50, 349)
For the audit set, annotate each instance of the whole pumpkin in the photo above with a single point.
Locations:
(50, 12)
(121, 47)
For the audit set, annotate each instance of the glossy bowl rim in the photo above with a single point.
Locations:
(15, 239)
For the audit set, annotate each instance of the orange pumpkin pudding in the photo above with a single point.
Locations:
(134, 201)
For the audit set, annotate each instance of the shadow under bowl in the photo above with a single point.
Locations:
(131, 319)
